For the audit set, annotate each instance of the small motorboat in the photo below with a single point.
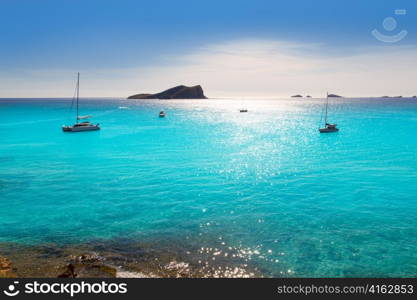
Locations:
(327, 126)
(162, 114)
(243, 110)
(80, 126)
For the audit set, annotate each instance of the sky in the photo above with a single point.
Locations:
(263, 48)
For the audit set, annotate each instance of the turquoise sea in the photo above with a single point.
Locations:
(263, 185)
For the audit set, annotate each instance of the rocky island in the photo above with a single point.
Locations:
(334, 96)
(178, 92)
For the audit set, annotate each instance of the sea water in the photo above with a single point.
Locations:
(264, 183)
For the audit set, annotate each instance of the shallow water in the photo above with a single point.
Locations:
(262, 185)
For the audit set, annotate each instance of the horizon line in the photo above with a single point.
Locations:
(217, 98)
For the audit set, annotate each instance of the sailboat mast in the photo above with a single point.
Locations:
(327, 104)
(78, 92)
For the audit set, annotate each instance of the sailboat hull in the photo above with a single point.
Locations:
(80, 128)
(328, 130)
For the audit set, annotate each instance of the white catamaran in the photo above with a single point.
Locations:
(84, 125)
(327, 126)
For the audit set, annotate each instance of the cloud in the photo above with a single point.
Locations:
(242, 68)
(269, 68)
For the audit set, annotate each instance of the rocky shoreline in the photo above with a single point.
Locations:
(110, 260)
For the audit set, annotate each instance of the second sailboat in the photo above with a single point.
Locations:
(328, 127)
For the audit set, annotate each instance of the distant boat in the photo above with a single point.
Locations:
(162, 114)
(327, 126)
(243, 110)
(80, 126)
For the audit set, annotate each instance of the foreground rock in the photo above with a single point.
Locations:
(6, 270)
(178, 92)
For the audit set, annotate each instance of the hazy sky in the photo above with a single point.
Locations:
(263, 48)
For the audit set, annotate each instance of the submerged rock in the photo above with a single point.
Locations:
(178, 92)
(88, 266)
(89, 258)
(69, 272)
(88, 271)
